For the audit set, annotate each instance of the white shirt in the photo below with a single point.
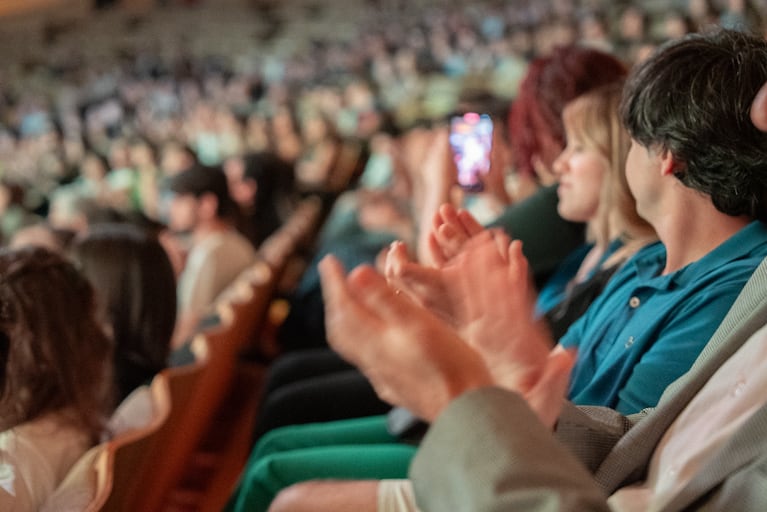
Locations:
(725, 402)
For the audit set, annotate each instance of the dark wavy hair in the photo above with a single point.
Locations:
(54, 355)
(693, 98)
(550, 83)
(136, 291)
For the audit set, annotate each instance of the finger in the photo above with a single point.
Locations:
(482, 253)
(518, 265)
(438, 220)
(419, 283)
(345, 315)
(375, 295)
(548, 393)
(437, 257)
(449, 214)
(448, 219)
(450, 240)
(502, 242)
(400, 268)
(479, 240)
(333, 279)
(402, 274)
(396, 257)
(469, 223)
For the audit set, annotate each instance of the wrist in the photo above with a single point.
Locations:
(456, 384)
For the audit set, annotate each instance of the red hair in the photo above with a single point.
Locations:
(535, 118)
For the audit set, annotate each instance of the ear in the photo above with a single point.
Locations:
(667, 163)
(759, 109)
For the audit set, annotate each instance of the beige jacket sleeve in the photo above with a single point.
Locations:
(488, 452)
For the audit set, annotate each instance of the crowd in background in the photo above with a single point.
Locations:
(204, 126)
(153, 152)
(100, 109)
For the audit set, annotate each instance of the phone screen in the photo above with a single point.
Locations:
(471, 137)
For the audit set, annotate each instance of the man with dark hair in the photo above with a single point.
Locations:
(697, 169)
(201, 208)
(690, 102)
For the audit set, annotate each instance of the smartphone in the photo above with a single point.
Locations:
(471, 137)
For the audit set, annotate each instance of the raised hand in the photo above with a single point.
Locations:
(416, 361)
(411, 358)
(496, 310)
(438, 288)
(428, 287)
(451, 229)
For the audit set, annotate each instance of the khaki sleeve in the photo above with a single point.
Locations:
(488, 452)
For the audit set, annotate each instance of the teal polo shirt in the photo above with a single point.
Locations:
(645, 330)
(557, 287)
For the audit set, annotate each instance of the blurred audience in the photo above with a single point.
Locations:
(122, 116)
(136, 290)
(201, 216)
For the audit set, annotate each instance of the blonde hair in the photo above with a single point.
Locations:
(594, 119)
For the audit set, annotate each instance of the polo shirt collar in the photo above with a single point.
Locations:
(649, 264)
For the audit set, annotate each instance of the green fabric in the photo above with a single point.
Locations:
(546, 237)
(359, 448)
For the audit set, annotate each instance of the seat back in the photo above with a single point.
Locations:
(173, 441)
(198, 390)
(130, 455)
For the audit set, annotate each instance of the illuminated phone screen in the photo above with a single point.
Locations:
(471, 137)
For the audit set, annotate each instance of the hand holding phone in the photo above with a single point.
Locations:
(471, 137)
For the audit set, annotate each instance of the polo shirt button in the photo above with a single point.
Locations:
(634, 302)
(629, 342)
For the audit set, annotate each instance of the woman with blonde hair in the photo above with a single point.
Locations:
(593, 189)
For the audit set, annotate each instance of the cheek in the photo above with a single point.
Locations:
(588, 171)
(594, 184)
(181, 214)
(631, 172)
(575, 203)
(586, 191)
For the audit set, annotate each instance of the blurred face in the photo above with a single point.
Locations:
(242, 190)
(141, 156)
(697, 8)
(93, 169)
(632, 24)
(581, 170)
(174, 160)
(674, 27)
(314, 129)
(182, 212)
